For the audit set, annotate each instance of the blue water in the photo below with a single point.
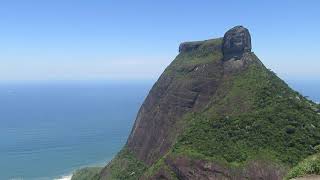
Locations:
(308, 88)
(50, 129)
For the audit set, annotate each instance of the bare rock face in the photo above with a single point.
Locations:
(236, 42)
(156, 126)
(184, 47)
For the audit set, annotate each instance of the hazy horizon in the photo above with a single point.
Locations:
(116, 40)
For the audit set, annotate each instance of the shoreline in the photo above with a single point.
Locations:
(68, 176)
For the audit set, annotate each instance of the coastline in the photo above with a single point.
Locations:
(68, 176)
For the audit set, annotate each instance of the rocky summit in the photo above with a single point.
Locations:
(236, 42)
(217, 112)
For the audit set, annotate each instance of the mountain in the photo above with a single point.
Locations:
(217, 112)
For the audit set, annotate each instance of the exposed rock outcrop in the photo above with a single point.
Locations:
(189, 46)
(212, 45)
(236, 42)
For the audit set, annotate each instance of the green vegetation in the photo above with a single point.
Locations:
(91, 173)
(253, 115)
(160, 164)
(250, 107)
(125, 166)
(309, 166)
(259, 115)
(188, 61)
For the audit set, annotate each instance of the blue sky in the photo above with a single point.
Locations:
(136, 40)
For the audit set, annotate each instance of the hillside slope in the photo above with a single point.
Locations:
(217, 112)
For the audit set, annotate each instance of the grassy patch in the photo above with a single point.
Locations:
(308, 166)
(125, 166)
(160, 164)
(91, 173)
(155, 167)
(187, 61)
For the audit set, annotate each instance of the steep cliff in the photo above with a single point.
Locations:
(217, 112)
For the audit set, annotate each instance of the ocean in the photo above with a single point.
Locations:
(50, 129)
(308, 88)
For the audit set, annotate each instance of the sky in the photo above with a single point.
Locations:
(136, 40)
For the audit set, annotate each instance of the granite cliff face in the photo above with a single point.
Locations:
(156, 126)
(157, 123)
(217, 112)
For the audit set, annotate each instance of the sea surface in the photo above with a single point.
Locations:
(308, 88)
(50, 129)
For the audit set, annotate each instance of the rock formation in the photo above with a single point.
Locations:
(217, 112)
(236, 42)
(171, 98)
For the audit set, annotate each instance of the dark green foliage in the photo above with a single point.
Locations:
(126, 167)
(276, 122)
(160, 164)
(91, 173)
(309, 166)
(123, 167)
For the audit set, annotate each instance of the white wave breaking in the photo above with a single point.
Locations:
(68, 177)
